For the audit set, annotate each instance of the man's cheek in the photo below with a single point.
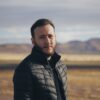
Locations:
(40, 43)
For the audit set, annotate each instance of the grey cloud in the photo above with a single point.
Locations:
(20, 16)
(16, 13)
(66, 15)
(70, 4)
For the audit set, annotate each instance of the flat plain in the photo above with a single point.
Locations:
(83, 84)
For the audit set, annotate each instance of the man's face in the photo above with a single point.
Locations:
(45, 39)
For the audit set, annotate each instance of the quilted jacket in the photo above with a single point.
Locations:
(34, 78)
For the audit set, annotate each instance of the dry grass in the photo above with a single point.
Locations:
(11, 58)
(8, 56)
(82, 84)
(69, 58)
(6, 86)
(81, 59)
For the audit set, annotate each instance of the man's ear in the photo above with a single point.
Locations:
(32, 40)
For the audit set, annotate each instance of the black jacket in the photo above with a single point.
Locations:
(34, 78)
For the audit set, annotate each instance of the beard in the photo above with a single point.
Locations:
(40, 49)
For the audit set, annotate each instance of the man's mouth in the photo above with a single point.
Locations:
(48, 47)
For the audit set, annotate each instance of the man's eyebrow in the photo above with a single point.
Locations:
(45, 34)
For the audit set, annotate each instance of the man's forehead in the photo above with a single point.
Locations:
(46, 34)
(47, 27)
(44, 30)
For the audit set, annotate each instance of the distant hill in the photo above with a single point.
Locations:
(91, 46)
(15, 48)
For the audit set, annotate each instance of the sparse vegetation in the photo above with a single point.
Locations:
(67, 58)
(81, 59)
(11, 58)
(82, 84)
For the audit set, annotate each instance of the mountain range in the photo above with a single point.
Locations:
(91, 46)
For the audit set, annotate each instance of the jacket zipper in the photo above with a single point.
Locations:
(56, 81)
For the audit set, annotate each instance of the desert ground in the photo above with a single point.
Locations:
(83, 84)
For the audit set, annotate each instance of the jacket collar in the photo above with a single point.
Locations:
(40, 58)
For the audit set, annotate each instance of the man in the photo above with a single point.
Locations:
(42, 75)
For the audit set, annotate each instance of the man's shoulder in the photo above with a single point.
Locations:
(24, 63)
(28, 63)
(60, 64)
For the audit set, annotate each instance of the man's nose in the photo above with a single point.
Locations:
(47, 39)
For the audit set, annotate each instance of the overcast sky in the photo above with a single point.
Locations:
(73, 19)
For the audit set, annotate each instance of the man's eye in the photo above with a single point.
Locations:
(42, 37)
(50, 36)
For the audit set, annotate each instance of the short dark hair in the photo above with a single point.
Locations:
(40, 22)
